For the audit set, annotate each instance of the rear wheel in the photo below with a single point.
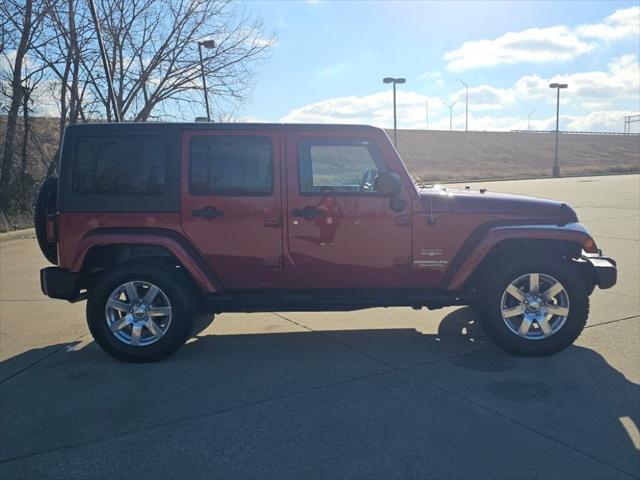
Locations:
(141, 312)
(536, 306)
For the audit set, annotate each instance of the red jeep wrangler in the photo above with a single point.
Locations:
(153, 223)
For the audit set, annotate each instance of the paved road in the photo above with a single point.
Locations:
(374, 394)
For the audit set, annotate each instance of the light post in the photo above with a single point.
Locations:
(426, 104)
(450, 114)
(557, 86)
(466, 107)
(394, 81)
(206, 44)
(529, 119)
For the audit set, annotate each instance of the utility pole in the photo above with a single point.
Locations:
(557, 86)
(426, 104)
(466, 106)
(529, 119)
(394, 81)
(450, 114)
(206, 44)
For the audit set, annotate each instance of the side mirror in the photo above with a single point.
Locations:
(388, 184)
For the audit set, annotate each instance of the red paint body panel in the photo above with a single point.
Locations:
(359, 240)
(257, 243)
(571, 233)
(244, 246)
(79, 232)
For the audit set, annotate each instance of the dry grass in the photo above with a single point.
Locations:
(439, 155)
(434, 156)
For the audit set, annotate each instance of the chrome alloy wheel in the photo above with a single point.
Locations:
(535, 306)
(138, 313)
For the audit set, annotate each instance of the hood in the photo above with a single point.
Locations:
(441, 200)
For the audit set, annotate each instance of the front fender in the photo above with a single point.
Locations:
(572, 232)
(175, 243)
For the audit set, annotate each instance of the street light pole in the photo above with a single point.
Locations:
(557, 86)
(207, 44)
(450, 114)
(466, 107)
(394, 81)
(529, 119)
(426, 104)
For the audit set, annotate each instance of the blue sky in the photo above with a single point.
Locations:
(330, 57)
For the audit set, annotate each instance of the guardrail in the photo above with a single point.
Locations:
(571, 132)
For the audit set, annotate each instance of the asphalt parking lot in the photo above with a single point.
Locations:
(382, 393)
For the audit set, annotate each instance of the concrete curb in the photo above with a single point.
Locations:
(18, 235)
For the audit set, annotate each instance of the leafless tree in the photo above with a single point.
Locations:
(48, 49)
(22, 23)
(153, 57)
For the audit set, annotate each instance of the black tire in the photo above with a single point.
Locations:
(45, 205)
(171, 281)
(490, 309)
(201, 321)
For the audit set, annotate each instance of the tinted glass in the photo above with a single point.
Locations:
(231, 165)
(335, 166)
(131, 165)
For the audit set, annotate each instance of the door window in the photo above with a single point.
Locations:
(231, 165)
(338, 166)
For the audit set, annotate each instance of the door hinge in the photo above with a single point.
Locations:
(402, 261)
(272, 262)
(272, 222)
(402, 220)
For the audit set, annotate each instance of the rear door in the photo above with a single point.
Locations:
(341, 232)
(231, 203)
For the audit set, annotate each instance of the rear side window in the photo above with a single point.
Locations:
(126, 165)
(231, 165)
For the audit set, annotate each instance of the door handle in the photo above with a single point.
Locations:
(207, 212)
(307, 212)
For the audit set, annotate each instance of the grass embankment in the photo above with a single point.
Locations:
(440, 156)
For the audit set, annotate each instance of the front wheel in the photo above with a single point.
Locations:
(141, 312)
(535, 307)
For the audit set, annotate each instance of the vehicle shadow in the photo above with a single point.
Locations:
(81, 395)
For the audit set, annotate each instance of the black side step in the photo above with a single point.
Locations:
(329, 299)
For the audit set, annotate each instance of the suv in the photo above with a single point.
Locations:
(156, 223)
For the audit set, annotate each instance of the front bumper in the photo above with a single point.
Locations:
(59, 283)
(605, 271)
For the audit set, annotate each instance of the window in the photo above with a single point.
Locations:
(131, 165)
(338, 166)
(230, 165)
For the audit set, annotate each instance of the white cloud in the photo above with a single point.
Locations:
(434, 78)
(601, 95)
(620, 82)
(595, 90)
(538, 45)
(600, 121)
(486, 97)
(623, 23)
(375, 109)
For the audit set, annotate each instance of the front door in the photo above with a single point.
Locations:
(341, 231)
(231, 203)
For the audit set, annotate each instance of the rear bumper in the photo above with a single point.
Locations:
(604, 268)
(59, 283)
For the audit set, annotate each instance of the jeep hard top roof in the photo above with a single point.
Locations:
(95, 127)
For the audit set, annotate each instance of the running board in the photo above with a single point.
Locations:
(329, 299)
